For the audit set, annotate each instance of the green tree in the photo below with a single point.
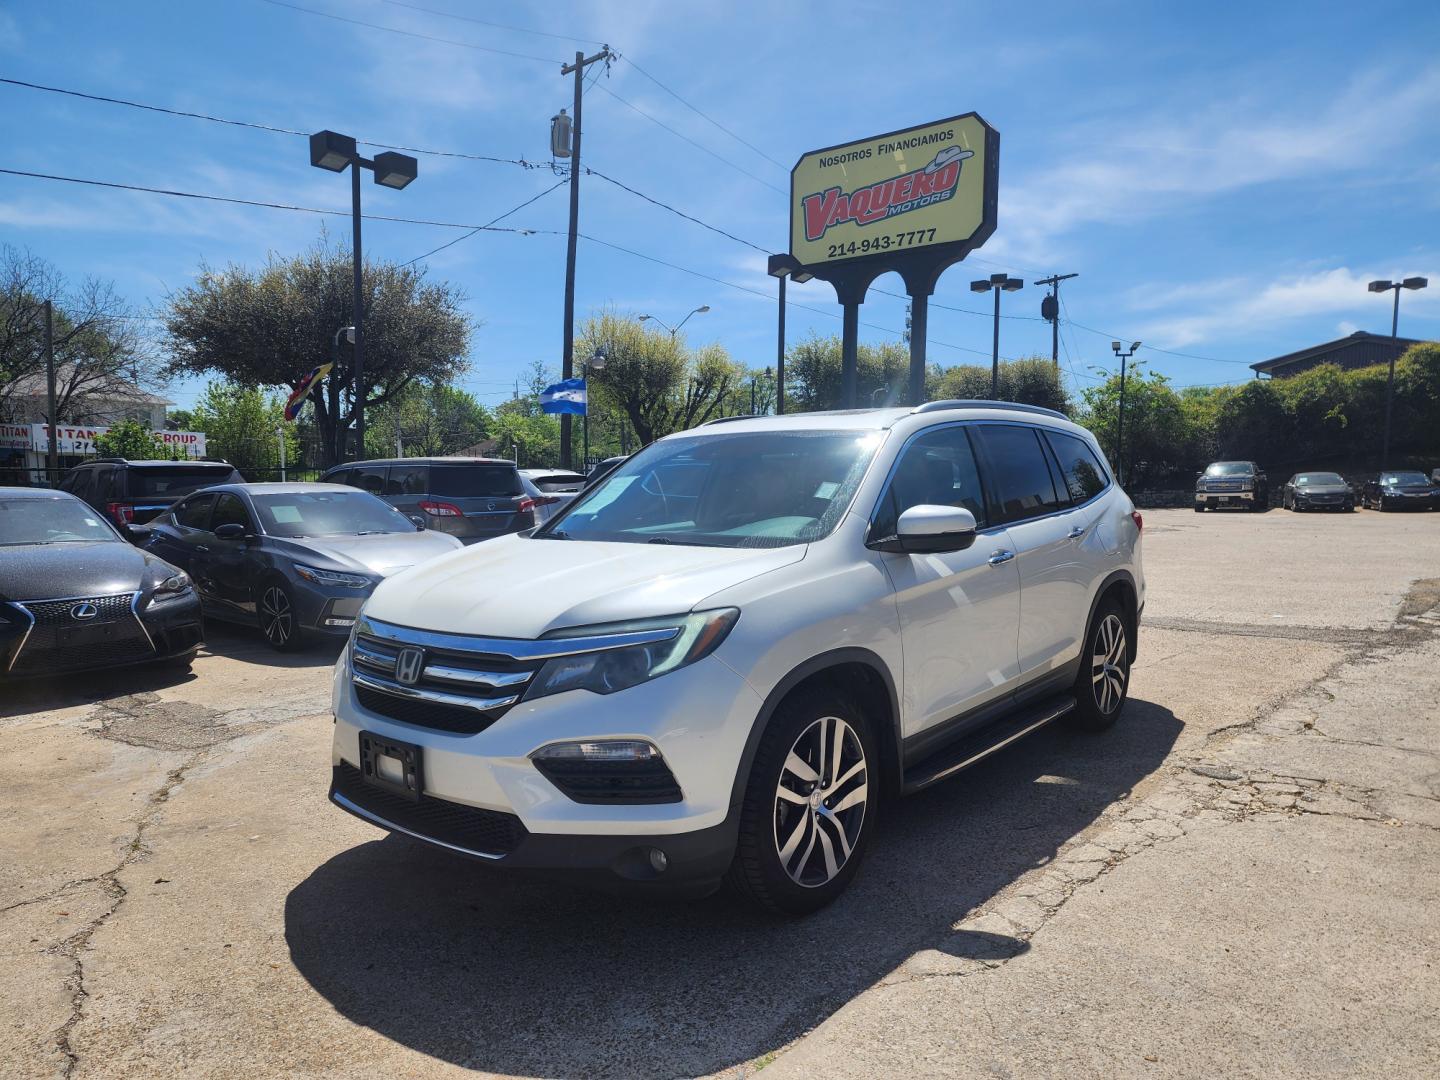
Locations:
(130, 439)
(813, 374)
(268, 327)
(244, 425)
(652, 379)
(428, 420)
(1031, 381)
(1159, 444)
(1252, 424)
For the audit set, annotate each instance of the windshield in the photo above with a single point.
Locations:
(51, 521)
(1404, 478)
(1305, 479)
(327, 513)
(153, 483)
(736, 489)
(1229, 468)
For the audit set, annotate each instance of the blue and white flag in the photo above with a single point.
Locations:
(567, 396)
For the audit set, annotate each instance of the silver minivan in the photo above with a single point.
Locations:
(469, 498)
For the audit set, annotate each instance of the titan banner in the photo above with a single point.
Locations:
(898, 193)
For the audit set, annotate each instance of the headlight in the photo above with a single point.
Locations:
(171, 588)
(697, 635)
(333, 577)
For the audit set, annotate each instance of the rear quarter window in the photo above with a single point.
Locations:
(474, 481)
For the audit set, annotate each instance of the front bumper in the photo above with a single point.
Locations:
(1224, 498)
(145, 633)
(698, 717)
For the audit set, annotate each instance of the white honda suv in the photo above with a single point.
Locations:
(721, 658)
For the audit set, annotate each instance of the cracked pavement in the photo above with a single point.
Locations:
(1241, 879)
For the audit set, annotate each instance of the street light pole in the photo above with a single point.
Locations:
(1120, 427)
(996, 283)
(701, 310)
(783, 267)
(1396, 286)
(334, 152)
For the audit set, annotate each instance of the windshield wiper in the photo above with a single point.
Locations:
(556, 534)
(373, 532)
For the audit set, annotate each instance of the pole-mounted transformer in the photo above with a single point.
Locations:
(560, 135)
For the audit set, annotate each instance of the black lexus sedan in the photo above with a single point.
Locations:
(76, 595)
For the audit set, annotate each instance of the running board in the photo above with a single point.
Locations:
(981, 744)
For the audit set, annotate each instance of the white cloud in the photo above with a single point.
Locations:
(1200, 153)
(1233, 308)
(1345, 328)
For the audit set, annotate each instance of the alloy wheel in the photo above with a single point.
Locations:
(1109, 667)
(820, 801)
(276, 618)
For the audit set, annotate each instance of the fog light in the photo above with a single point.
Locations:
(658, 860)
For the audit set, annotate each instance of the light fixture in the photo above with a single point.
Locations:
(395, 170)
(331, 150)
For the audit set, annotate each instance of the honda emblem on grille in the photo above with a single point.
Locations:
(408, 665)
(490, 506)
(81, 612)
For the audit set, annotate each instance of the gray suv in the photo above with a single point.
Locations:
(471, 499)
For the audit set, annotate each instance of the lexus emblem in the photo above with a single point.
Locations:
(408, 665)
(81, 612)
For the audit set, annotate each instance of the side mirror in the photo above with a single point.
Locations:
(932, 530)
(231, 531)
(419, 520)
(138, 534)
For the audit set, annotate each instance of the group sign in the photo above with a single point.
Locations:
(892, 194)
(80, 440)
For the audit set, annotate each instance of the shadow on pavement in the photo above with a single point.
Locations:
(493, 972)
(246, 645)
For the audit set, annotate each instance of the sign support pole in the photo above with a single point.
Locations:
(919, 320)
(849, 353)
(52, 456)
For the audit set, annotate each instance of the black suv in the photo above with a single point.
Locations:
(470, 498)
(132, 492)
(1232, 483)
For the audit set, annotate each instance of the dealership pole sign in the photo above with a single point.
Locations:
(914, 201)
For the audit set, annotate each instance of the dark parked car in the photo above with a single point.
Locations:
(469, 498)
(1317, 491)
(75, 595)
(133, 492)
(292, 558)
(602, 469)
(1232, 483)
(1400, 490)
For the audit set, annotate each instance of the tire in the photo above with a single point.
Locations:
(1199, 508)
(1103, 683)
(791, 855)
(275, 610)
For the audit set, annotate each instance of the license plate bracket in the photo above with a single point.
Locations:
(392, 765)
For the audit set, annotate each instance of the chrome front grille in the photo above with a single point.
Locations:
(79, 632)
(458, 682)
(108, 609)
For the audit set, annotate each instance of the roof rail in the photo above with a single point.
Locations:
(728, 419)
(977, 403)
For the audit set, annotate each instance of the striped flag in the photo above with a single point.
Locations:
(302, 390)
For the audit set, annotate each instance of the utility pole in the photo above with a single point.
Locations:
(567, 364)
(1050, 311)
(52, 455)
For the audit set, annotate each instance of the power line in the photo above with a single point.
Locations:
(488, 224)
(677, 213)
(685, 138)
(1168, 352)
(705, 116)
(267, 205)
(259, 126)
(411, 33)
(495, 25)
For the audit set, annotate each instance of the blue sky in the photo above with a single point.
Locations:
(1224, 177)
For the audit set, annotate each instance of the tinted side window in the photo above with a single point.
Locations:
(229, 510)
(1017, 476)
(104, 484)
(194, 513)
(339, 476)
(369, 478)
(407, 480)
(1083, 474)
(74, 482)
(937, 469)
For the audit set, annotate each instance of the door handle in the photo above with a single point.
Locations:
(1077, 532)
(201, 547)
(998, 557)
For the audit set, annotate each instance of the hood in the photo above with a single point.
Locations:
(1323, 489)
(56, 571)
(1409, 489)
(383, 554)
(520, 588)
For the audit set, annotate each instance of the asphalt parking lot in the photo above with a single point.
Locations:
(1241, 879)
